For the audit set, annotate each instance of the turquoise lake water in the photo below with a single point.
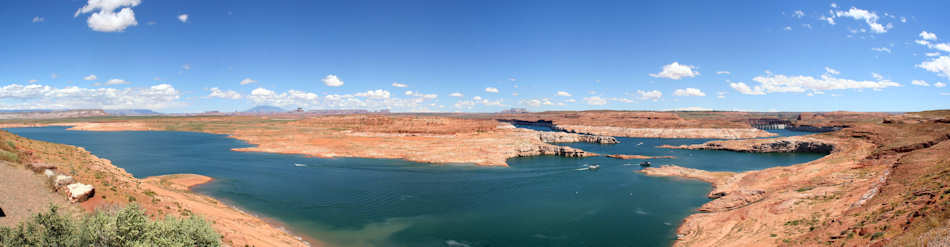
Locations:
(538, 201)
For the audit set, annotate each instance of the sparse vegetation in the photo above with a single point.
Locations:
(128, 226)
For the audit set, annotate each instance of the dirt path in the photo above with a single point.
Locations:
(23, 193)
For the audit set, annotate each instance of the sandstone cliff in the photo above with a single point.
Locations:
(706, 133)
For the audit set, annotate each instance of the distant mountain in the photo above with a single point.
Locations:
(132, 112)
(265, 109)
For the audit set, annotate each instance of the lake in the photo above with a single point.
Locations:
(538, 201)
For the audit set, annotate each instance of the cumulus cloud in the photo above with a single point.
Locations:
(420, 94)
(940, 84)
(396, 84)
(595, 100)
(248, 80)
(90, 77)
(218, 93)
(38, 19)
(799, 84)
(832, 71)
(538, 102)
(928, 36)
(868, 17)
(375, 94)
(564, 94)
(653, 95)
(920, 83)
(186, 66)
(932, 54)
(676, 71)
(491, 90)
(939, 65)
(799, 14)
(183, 18)
(33, 96)
(456, 94)
(688, 92)
(371, 100)
(107, 19)
(332, 81)
(116, 82)
(723, 72)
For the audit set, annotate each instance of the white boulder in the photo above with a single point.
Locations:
(62, 180)
(78, 192)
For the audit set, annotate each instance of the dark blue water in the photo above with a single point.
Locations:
(538, 201)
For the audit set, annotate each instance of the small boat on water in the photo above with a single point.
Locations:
(589, 167)
(645, 164)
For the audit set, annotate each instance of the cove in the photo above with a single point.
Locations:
(538, 201)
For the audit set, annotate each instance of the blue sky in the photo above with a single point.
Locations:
(421, 55)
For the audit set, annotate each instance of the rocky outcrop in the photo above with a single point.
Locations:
(555, 150)
(556, 137)
(78, 192)
(774, 145)
(711, 133)
(40, 167)
(62, 180)
(637, 157)
(726, 201)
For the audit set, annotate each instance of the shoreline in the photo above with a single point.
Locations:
(202, 180)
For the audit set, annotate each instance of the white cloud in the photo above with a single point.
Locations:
(570, 100)
(33, 96)
(799, 14)
(653, 95)
(396, 84)
(830, 20)
(106, 19)
(537, 102)
(940, 84)
(688, 92)
(456, 94)
(800, 84)
(832, 71)
(877, 76)
(676, 71)
(928, 36)
(491, 90)
(723, 72)
(595, 100)
(922, 42)
(867, 16)
(477, 98)
(942, 46)
(375, 94)
(90, 77)
(562, 93)
(218, 93)
(939, 65)
(248, 80)
(183, 18)
(932, 54)
(420, 94)
(116, 82)
(788, 28)
(721, 95)
(332, 81)
(186, 66)
(38, 19)
(745, 89)
(881, 49)
(920, 83)
(834, 5)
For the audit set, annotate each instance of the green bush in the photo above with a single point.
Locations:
(123, 227)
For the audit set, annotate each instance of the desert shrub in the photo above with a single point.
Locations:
(9, 156)
(127, 226)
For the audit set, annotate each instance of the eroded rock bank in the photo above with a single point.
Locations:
(703, 133)
(879, 185)
(559, 137)
(801, 144)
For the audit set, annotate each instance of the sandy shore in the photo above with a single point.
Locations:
(237, 227)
